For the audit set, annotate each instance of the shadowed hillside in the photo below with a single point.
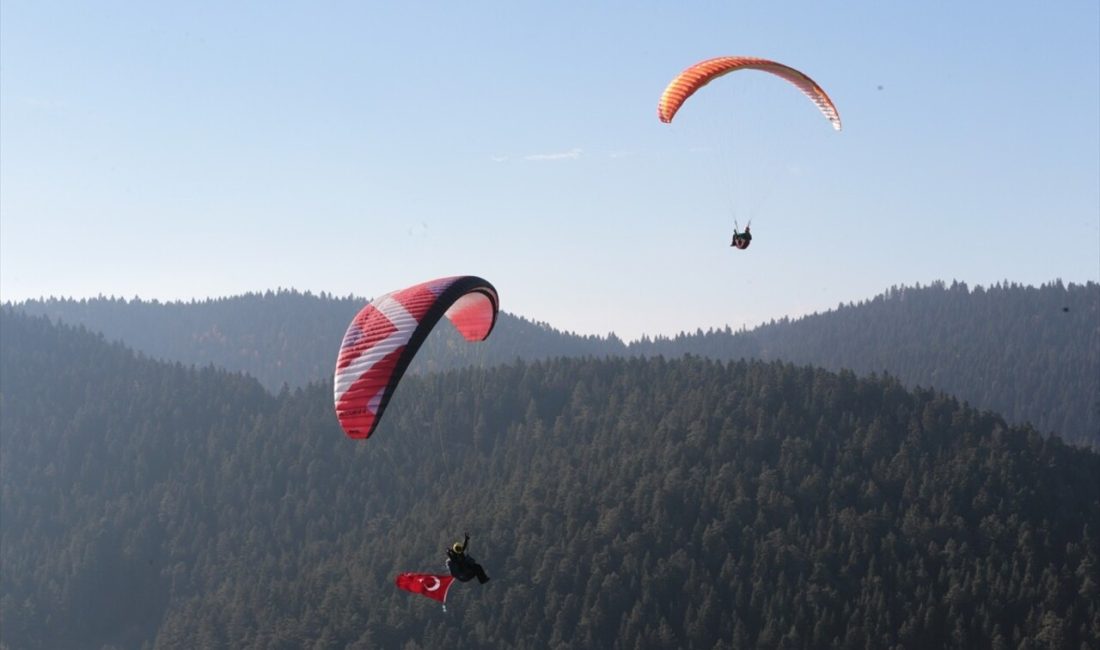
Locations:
(616, 503)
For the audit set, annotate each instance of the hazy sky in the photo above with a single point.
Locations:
(179, 150)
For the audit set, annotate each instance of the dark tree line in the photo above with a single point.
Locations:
(616, 503)
(1029, 353)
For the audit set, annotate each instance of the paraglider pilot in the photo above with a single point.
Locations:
(463, 567)
(741, 239)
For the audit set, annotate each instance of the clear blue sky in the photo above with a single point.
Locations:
(179, 150)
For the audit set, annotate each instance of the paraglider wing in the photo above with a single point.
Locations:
(426, 584)
(700, 74)
(384, 337)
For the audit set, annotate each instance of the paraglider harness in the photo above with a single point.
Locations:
(743, 239)
(463, 567)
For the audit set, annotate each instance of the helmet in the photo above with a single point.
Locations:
(458, 547)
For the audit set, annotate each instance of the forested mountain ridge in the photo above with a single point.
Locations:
(616, 503)
(1031, 354)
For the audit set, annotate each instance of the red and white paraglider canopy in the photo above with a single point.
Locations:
(384, 337)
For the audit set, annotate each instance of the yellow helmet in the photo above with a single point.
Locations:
(458, 547)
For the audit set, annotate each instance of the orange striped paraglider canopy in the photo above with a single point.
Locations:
(695, 77)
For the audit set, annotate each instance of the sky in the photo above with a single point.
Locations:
(179, 151)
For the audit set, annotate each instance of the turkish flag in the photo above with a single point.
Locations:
(426, 584)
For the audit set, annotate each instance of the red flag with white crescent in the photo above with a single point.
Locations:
(426, 584)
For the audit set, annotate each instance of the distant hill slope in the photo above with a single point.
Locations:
(616, 503)
(287, 337)
(1031, 354)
